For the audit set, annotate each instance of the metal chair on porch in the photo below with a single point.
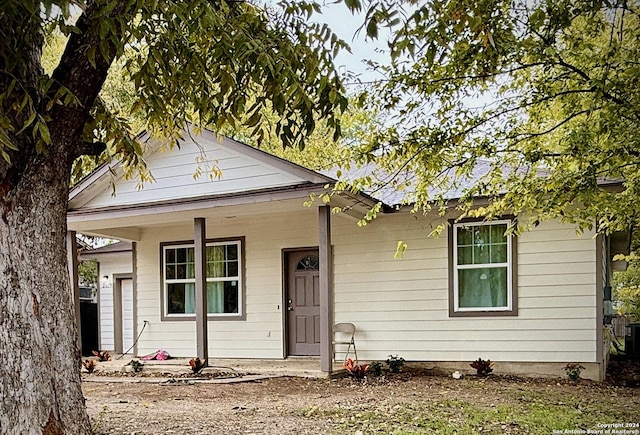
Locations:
(343, 335)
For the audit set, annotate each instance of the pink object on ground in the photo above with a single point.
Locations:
(159, 355)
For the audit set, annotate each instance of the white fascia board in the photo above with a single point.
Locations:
(190, 204)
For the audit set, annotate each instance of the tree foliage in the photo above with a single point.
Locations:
(545, 92)
(210, 63)
(627, 291)
(321, 151)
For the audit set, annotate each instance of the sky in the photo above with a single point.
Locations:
(345, 25)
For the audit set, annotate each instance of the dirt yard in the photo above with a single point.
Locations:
(405, 403)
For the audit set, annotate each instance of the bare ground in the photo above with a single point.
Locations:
(411, 402)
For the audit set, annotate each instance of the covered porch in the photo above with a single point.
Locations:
(264, 317)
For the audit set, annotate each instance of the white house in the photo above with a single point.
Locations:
(273, 276)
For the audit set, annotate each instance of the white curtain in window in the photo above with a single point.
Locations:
(215, 297)
(189, 298)
(483, 287)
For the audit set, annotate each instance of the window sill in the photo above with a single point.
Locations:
(210, 318)
(487, 313)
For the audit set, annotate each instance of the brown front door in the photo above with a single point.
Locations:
(303, 303)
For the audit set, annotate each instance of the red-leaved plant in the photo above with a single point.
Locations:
(103, 355)
(483, 368)
(356, 370)
(90, 365)
(197, 364)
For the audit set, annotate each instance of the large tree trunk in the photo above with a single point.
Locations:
(40, 386)
(39, 375)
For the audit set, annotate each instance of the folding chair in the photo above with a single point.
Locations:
(343, 334)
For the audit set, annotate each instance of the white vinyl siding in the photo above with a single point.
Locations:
(174, 176)
(400, 306)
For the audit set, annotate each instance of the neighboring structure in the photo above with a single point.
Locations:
(274, 275)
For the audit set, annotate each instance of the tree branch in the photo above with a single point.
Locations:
(93, 148)
(527, 136)
(588, 79)
(84, 76)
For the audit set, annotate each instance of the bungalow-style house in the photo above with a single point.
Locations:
(238, 267)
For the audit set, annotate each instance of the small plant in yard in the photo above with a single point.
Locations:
(483, 367)
(356, 370)
(197, 364)
(395, 363)
(90, 365)
(103, 355)
(375, 368)
(573, 371)
(98, 420)
(136, 365)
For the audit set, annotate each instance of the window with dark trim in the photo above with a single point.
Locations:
(223, 274)
(482, 269)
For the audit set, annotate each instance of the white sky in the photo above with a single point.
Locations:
(346, 25)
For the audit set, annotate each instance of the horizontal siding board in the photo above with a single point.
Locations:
(556, 246)
(558, 280)
(544, 234)
(373, 306)
(392, 266)
(559, 258)
(392, 276)
(554, 270)
(459, 327)
(559, 302)
(482, 347)
(464, 357)
(526, 313)
(555, 290)
(402, 295)
(446, 337)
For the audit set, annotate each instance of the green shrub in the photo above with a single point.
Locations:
(395, 363)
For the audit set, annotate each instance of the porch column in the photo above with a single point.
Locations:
(200, 258)
(326, 299)
(72, 264)
(134, 282)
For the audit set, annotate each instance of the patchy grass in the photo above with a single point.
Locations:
(494, 407)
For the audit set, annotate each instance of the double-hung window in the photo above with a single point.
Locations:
(223, 274)
(482, 269)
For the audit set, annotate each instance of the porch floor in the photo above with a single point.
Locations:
(293, 366)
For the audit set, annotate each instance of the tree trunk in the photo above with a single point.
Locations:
(39, 377)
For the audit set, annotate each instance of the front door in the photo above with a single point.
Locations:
(303, 303)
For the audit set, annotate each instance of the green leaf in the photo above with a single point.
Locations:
(372, 28)
(44, 132)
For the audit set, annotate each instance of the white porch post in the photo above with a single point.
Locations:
(72, 264)
(326, 299)
(200, 258)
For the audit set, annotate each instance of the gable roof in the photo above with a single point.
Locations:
(244, 169)
(390, 187)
